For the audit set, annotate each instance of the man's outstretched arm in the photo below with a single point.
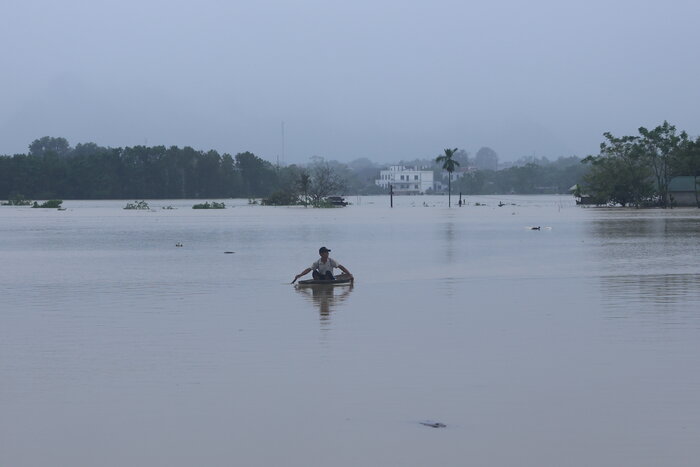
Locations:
(302, 273)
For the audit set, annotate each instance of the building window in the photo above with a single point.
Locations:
(415, 177)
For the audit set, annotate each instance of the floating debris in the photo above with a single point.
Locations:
(229, 252)
(178, 244)
(433, 424)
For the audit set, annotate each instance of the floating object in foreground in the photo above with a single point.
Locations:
(178, 244)
(340, 279)
(229, 252)
(433, 424)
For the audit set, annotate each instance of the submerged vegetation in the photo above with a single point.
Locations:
(310, 186)
(17, 200)
(50, 204)
(208, 205)
(139, 205)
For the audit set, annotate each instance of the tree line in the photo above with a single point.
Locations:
(536, 176)
(637, 170)
(54, 169)
(630, 170)
(528, 175)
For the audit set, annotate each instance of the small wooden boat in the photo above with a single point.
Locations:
(340, 279)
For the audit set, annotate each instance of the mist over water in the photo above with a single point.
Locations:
(389, 81)
(577, 344)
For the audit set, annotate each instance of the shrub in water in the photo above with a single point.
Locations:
(17, 200)
(50, 204)
(207, 205)
(137, 205)
(281, 198)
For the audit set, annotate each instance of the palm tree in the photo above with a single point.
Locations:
(449, 165)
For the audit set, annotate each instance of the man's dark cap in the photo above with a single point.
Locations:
(322, 249)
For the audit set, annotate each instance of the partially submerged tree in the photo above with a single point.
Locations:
(304, 185)
(325, 181)
(449, 164)
(619, 174)
(662, 146)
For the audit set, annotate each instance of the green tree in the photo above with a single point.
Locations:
(304, 185)
(258, 174)
(449, 164)
(661, 146)
(48, 144)
(619, 174)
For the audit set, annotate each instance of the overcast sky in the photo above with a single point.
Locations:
(386, 80)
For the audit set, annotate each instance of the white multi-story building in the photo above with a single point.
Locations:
(406, 181)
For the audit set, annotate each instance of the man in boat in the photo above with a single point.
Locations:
(323, 267)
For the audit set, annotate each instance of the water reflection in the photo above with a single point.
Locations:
(648, 267)
(450, 240)
(658, 291)
(325, 297)
(630, 245)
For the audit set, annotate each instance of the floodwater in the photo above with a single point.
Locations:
(574, 345)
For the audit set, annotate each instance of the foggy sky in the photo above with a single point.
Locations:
(384, 80)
